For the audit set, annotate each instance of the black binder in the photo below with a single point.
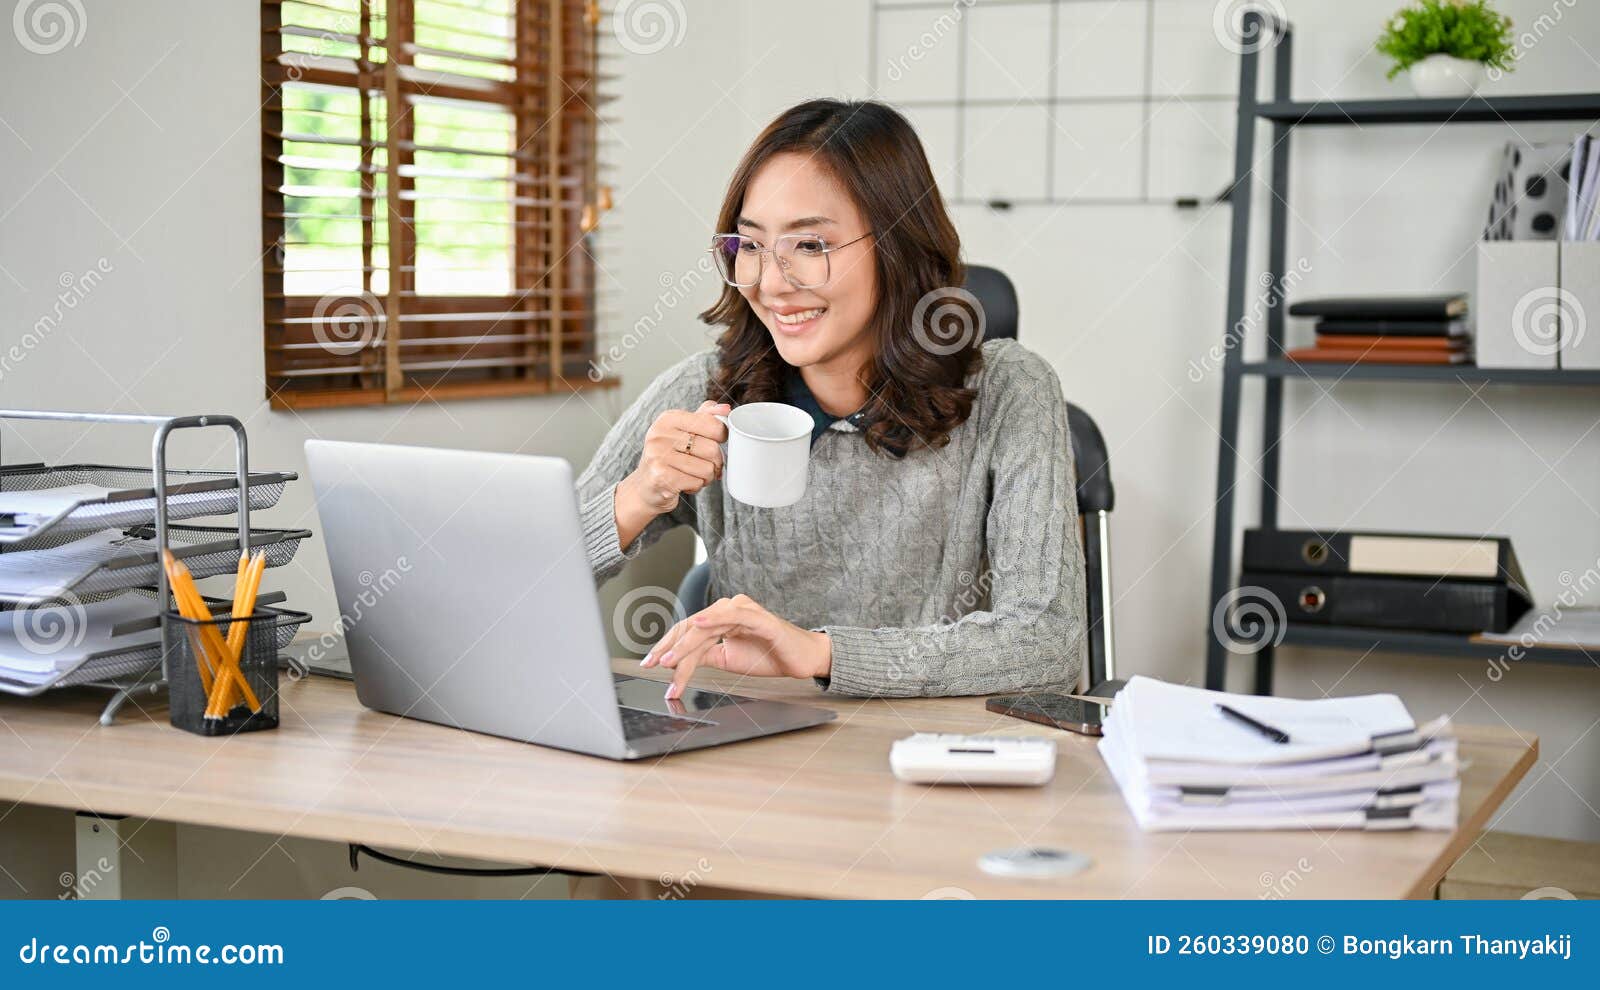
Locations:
(1430, 555)
(1413, 603)
(1443, 306)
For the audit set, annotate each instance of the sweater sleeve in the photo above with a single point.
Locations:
(1032, 633)
(679, 387)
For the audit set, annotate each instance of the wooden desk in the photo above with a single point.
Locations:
(811, 813)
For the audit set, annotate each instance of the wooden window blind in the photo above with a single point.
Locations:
(431, 200)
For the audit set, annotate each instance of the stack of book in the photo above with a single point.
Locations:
(1190, 759)
(1418, 582)
(1387, 329)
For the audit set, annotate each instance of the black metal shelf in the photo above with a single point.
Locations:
(1472, 109)
(1285, 114)
(1435, 644)
(1466, 374)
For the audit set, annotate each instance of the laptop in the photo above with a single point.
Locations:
(466, 599)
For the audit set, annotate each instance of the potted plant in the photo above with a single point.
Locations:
(1446, 46)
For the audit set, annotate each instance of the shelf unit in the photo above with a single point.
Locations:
(1461, 374)
(1285, 115)
(1434, 644)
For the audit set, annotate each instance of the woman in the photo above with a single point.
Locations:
(936, 549)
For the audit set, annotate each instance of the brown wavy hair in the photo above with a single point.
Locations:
(916, 394)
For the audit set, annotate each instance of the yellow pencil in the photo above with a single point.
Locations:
(193, 604)
(204, 663)
(228, 700)
(224, 696)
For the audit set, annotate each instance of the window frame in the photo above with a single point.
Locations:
(538, 339)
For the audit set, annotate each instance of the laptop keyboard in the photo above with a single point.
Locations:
(638, 723)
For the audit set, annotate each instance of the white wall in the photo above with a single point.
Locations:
(139, 145)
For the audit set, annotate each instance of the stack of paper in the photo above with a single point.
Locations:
(40, 646)
(21, 511)
(36, 575)
(1582, 221)
(1358, 763)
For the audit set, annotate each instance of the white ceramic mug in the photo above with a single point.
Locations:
(768, 451)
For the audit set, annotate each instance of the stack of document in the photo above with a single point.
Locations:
(1582, 220)
(21, 511)
(1349, 763)
(40, 646)
(53, 572)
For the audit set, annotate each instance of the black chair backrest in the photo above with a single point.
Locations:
(1095, 493)
(998, 297)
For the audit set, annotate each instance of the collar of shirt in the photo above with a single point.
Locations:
(798, 393)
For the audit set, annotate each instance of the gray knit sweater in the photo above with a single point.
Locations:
(949, 571)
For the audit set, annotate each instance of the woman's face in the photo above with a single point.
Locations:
(827, 325)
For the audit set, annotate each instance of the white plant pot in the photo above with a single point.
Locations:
(1440, 76)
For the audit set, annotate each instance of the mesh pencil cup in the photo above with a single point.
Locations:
(194, 655)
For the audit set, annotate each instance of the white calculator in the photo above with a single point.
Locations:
(936, 758)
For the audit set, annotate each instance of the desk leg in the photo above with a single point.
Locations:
(125, 858)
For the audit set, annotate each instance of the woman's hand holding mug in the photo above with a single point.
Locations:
(681, 456)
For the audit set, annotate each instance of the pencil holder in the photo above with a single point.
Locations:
(205, 696)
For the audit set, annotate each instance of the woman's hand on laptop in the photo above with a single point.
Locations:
(737, 634)
(680, 457)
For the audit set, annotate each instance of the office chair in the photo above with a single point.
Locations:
(1096, 497)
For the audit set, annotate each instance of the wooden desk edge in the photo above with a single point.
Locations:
(1468, 831)
(621, 859)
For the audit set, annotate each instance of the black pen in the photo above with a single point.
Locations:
(1276, 735)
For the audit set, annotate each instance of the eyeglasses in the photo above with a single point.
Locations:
(802, 258)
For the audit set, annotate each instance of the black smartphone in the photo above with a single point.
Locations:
(1058, 710)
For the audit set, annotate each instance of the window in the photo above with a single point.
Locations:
(431, 198)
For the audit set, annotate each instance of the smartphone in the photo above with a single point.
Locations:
(1058, 710)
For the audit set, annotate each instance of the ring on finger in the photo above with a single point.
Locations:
(688, 443)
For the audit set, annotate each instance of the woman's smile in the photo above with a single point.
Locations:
(793, 320)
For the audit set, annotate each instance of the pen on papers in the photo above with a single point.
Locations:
(1276, 735)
